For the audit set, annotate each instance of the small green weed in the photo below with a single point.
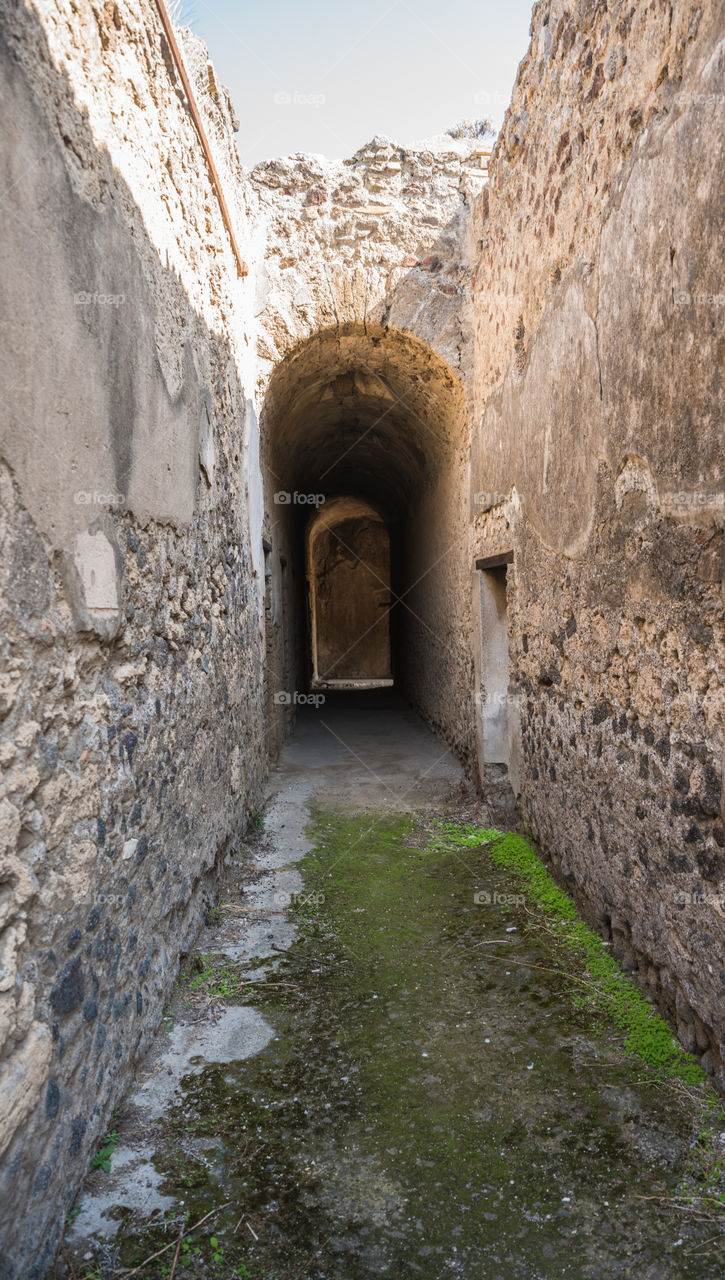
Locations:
(216, 978)
(704, 1180)
(102, 1158)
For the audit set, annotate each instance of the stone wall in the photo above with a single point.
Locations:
(598, 457)
(131, 730)
(550, 342)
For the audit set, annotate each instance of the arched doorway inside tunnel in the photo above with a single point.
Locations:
(364, 434)
(349, 586)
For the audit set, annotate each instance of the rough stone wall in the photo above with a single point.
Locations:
(374, 239)
(598, 456)
(131, 734)
(138, 711)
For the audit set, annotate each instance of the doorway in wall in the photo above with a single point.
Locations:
(494, 653)
(348, 568)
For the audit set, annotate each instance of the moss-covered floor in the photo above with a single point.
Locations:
(460, 1084)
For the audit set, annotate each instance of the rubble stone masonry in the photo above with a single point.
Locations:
(543, 337)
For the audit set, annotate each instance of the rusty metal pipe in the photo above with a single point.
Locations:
(179, 63)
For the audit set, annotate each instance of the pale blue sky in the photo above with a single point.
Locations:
(327, 76)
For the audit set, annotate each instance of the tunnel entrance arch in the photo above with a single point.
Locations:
(360, 413)
(348, 576)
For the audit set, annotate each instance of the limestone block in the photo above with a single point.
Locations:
(9, 828)
(10, 941)
(93, 580)
(96, 565)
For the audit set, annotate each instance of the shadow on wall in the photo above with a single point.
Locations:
(130, 697)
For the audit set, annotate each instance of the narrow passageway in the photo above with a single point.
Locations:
(362, 624)
(368, 748)
(363, 431)
(373, 1064)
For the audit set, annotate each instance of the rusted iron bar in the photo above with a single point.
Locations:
(179, 62)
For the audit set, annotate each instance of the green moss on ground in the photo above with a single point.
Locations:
(609, 991)
(606, 991)
(411, 1073)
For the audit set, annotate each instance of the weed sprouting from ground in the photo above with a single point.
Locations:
(102, 1158)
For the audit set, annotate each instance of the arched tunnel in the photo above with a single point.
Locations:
(363, 434)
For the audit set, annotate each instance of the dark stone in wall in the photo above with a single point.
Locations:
(68, 991)
(78, 1130)
(52, 1100)
(90, 1010)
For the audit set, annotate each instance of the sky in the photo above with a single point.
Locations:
(326, 77)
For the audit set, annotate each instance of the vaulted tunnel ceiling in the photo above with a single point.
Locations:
(365, 411)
